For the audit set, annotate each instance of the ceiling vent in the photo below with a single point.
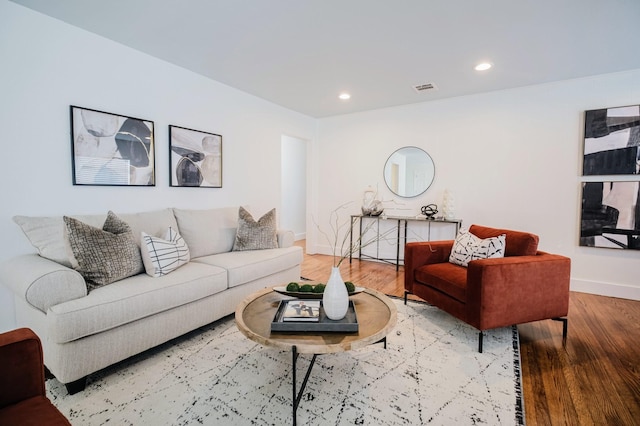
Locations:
(419, 88)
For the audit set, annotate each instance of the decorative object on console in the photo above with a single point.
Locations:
(371, 206)
(163, 256)
(430, 210)
(448, 205)
(335, 299)
(111, 149)
(195, 158)
(252, 235)
(104, 255)
(612, 141)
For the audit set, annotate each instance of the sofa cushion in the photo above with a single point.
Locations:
(468, 247)
(255, 235)
(446, 277)
(153, 223)
(104, 255)
(162, 256)
(47, 233)
(245, 266)
(208, 232)
(518, 243)
(131, 299)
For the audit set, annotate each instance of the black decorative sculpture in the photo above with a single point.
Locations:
(429, 210)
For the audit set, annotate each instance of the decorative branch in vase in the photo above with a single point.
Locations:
(335, 299)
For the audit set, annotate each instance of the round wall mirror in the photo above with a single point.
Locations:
(409, 171)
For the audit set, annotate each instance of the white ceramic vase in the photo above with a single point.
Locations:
(335, 299)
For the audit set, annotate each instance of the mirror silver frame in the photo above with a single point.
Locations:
(409, 171)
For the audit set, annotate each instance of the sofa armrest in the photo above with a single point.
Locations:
(517, 289)
(41, 282)
(417, 254)
(286, 238)
(21, 366)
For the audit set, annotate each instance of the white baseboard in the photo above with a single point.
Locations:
(606, 289)
(300, 236)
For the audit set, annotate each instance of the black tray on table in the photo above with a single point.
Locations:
(348, 324)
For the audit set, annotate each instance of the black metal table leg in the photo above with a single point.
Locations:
(297, 395)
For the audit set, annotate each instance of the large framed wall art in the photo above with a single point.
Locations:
(612, 141)
(610, 214)
(111, 149)
(195, 158)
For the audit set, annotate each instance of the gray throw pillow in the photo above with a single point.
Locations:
(252, 235)
(104, 255)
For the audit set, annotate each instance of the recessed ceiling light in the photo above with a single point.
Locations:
(344, 96)
(483, 66)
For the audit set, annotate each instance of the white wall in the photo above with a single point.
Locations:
(511, 158)
(48, 65)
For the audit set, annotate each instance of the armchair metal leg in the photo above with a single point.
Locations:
(565, 326)
(480, 335)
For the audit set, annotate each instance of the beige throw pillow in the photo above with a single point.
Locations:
(104, 255)
(252, 235)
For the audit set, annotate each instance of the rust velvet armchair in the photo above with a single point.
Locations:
(23, 399)
(523, 286)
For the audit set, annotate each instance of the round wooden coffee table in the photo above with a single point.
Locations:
(377, 315)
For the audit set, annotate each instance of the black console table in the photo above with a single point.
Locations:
(402, 225)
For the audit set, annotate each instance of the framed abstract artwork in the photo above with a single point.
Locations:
(612, 141)
(195, 158)
(610, 215)
(111, 149)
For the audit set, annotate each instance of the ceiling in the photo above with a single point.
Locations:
(302, 54)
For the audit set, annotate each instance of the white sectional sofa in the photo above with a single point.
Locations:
(84, 331)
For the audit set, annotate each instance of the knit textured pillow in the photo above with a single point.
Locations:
(468, 247)
(104, 255)
(162, 256)
(252, 235)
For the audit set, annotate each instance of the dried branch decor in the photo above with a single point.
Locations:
(343, 244)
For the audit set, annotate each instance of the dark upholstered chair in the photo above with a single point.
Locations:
(526, 285)
(23, 399)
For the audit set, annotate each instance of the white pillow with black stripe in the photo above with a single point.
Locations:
(468, 247)
(162, 256)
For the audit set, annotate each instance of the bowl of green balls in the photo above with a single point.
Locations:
(303, 290)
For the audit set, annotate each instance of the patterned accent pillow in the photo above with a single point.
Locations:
(162, 256)
(468, 247)
(104, 255)
(252, 235)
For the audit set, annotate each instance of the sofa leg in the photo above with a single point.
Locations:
(406, 293)
(480, 335)
(565, 326)
(76, 386)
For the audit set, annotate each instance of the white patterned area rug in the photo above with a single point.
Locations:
(430, 373)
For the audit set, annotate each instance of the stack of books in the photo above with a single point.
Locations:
(298, 310)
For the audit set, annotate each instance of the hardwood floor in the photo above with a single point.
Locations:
(594, 380)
